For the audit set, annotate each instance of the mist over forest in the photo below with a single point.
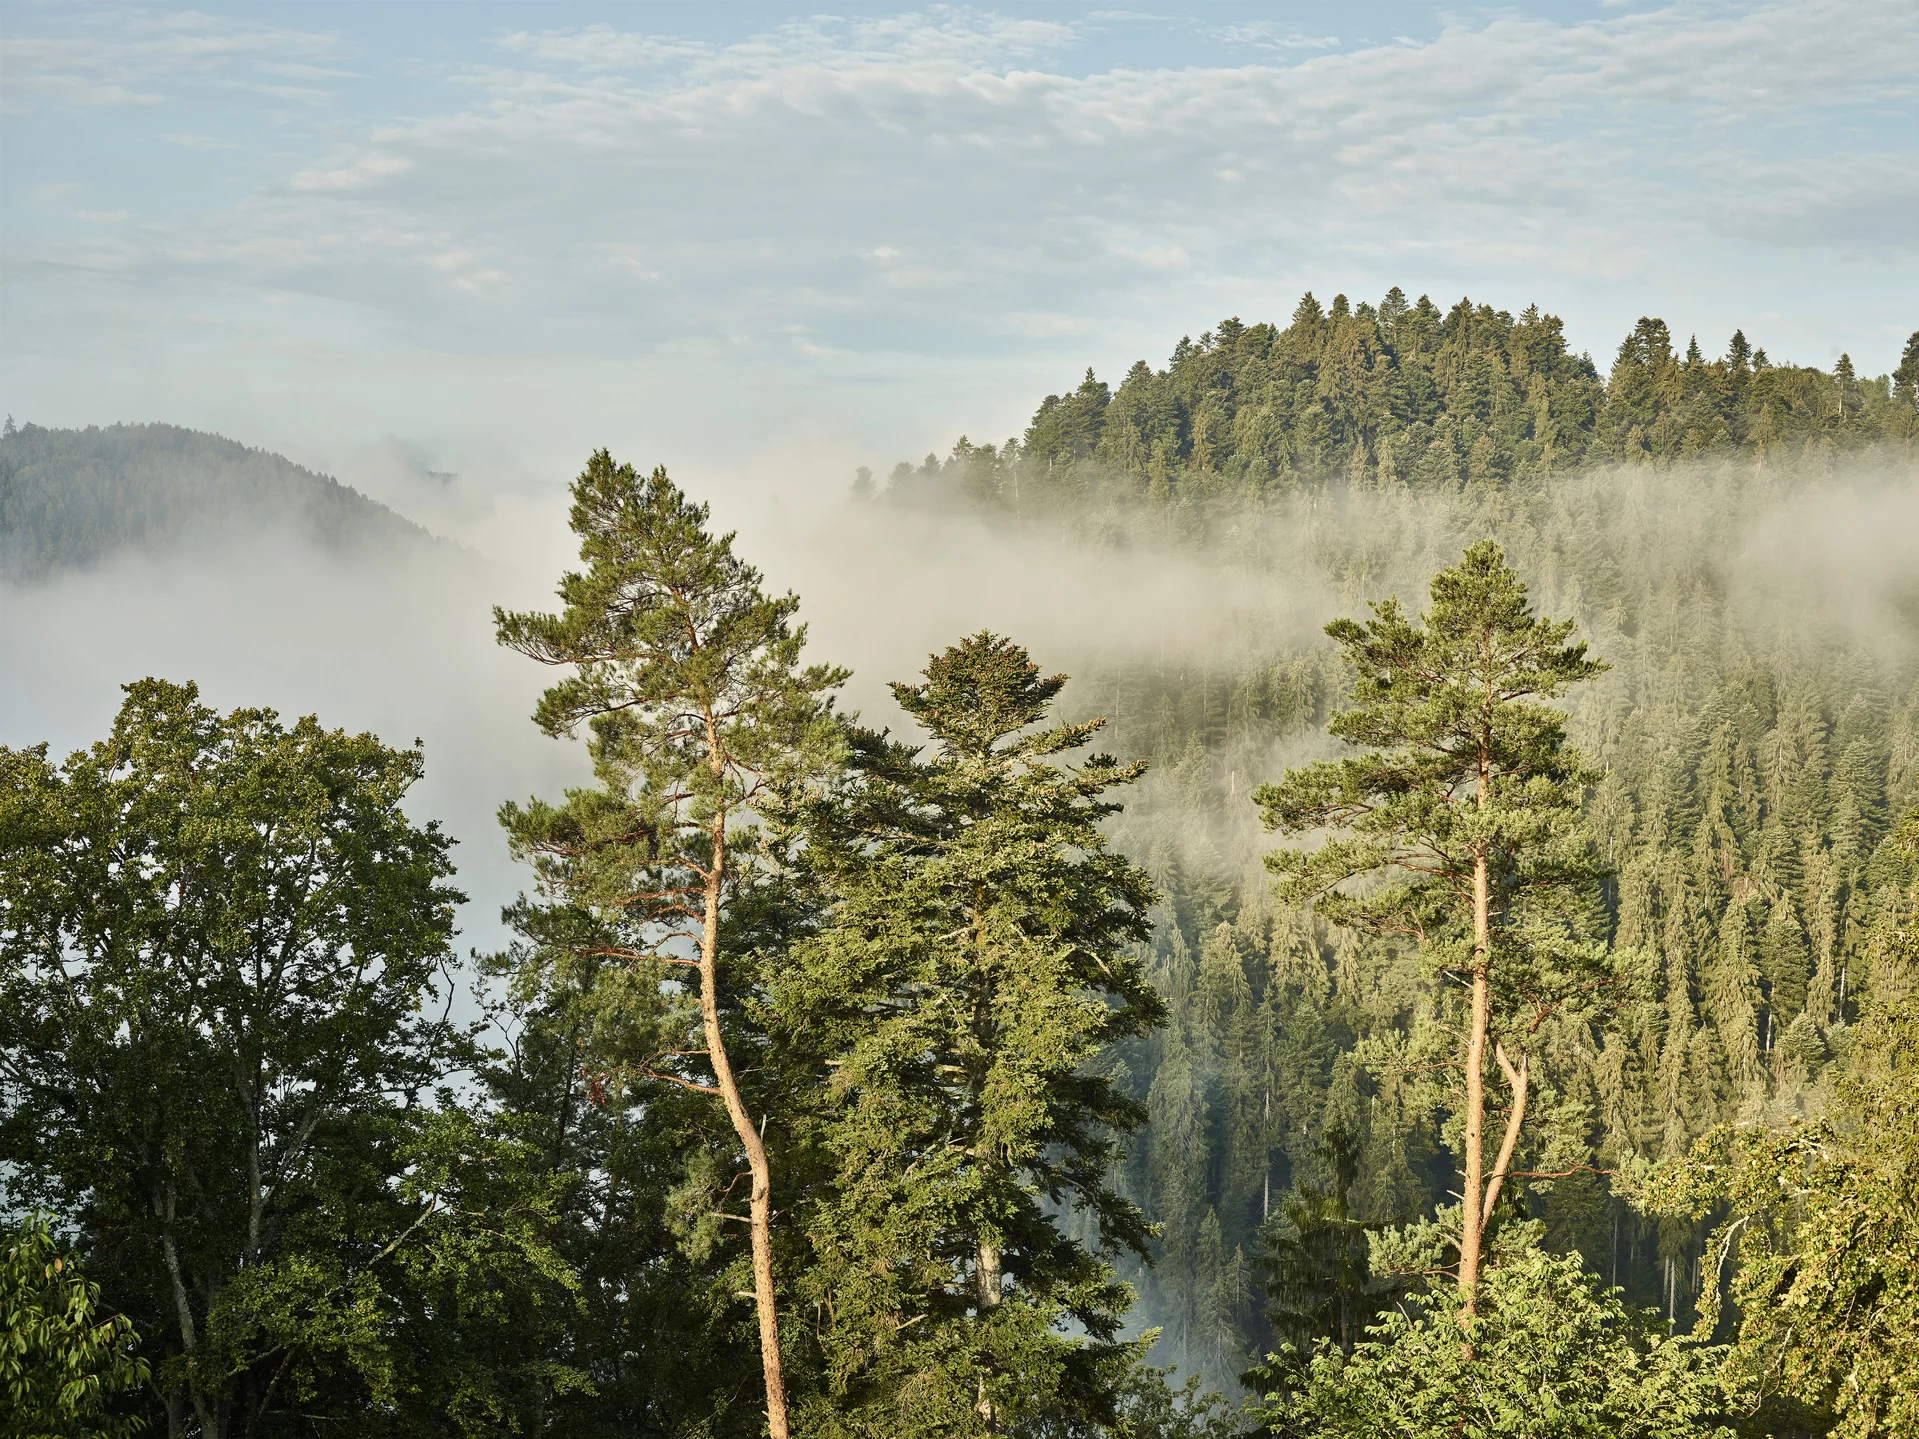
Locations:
(1252, 1126)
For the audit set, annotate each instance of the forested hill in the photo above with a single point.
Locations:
(69, 498)
(1737, 538)
(1402, 393)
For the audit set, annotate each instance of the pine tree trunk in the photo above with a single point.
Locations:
(1471, 1215)
(750, 1141)
(1471, 1221)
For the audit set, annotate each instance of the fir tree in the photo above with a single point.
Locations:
(980, 952)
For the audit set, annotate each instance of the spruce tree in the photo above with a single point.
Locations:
(1466, 802)
(980, 953)
(703, 720)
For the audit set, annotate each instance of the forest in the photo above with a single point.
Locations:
(1457, 975)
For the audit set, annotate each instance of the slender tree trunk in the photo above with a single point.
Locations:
(986, 1282)
(987, 1275)
(204, 1406)
(750, 1140)
(986, 1268)
(1471, 1218)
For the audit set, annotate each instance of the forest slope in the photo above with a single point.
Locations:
(70, 498)
(1738, 538)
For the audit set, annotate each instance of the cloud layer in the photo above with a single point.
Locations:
(863, 222)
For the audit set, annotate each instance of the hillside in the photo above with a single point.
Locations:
(1738, 539)
(71, 498)
(1401, 394)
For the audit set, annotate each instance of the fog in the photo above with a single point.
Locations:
(404, 646)
(405, 651)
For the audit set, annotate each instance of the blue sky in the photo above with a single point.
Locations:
(751, 240)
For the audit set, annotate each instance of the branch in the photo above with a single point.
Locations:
(683, 1083)
(425, 1214)
(615, 951)
(1518, 1079)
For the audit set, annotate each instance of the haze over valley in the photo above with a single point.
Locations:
(1025, 723)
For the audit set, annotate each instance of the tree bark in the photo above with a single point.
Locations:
(762, 1204)
(986, 1280)
(987, 1269)
(1519, 1078)
(1470, 1218)
(987, 1275)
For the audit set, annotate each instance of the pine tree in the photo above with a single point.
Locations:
(1468, 796)
(981, 950)
(1905, 379)
(702, 720)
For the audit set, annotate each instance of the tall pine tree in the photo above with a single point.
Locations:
(703, 719)
(1466, 801)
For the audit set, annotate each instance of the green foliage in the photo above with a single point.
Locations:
(1815, 1261)
(1550, 1355)
(70, 498)
(1317, 1258)
(1403, 395)
(979, 952)
(62, 1363)
(1755, 738)
(218, 935)
(1150, 1408)
(675, 867)
(1461, 765)
(572, 1258)
(659, 1333)
(1464, 805)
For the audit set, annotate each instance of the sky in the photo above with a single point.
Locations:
(762, 245)
(445, 250)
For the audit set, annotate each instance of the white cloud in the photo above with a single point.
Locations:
(110, 58)
(356, 173)
(833, 200)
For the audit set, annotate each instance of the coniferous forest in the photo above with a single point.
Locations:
(1457, 975)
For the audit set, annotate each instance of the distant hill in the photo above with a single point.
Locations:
(70, 498)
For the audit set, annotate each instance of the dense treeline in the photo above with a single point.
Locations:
(1755, 747)
(1754, 754)
(1404, 394)
(851, 1083)
(69, 498)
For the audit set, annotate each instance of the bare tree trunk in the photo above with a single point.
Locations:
(1471, 1218)
(750, 1140)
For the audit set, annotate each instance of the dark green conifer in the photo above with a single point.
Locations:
(980, 953)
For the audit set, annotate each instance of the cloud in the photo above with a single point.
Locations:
(600, 47)
(753, 170)
(920, 193)
(357, 173)
(109, 58)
